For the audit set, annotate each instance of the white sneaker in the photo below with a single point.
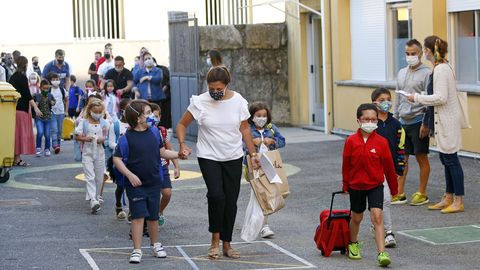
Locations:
(47, 152)
(390, 241)
(266, 232)
(38, 152)
(158, 250)
(136, 256)
(95, 205)
(100, 199)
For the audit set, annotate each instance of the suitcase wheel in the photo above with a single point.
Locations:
(323, 253)
(343, 251)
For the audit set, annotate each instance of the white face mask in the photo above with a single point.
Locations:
(260, 121)
(412, 60)
(33, 81)
(149, 63)
(96, 116)
(209, 62)
(56, 83)
(368, 127)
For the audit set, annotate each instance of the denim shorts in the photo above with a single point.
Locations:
(144, 201)
(167, 182)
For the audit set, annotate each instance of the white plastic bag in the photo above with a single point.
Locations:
(253, 219)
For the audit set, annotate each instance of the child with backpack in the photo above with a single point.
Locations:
(91, 132)
(391, 129)
(44, 101)
(74, 97)
(154, 120)
(138, 157)
(366, 162)
(110, 99)
(90, 87)
(58, 110)
(266, 137)
(117, 129)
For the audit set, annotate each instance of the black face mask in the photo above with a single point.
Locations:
(60, 61)
(107, 56)
(35, 63)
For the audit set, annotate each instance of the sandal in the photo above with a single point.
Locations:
(214, 253)
(21, 163)
(231, 253)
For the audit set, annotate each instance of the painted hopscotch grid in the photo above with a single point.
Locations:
(195, 261)
(445, 235)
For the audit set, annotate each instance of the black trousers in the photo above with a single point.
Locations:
(223, 185)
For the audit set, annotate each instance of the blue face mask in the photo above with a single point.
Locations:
(385, 106)
(152, 120)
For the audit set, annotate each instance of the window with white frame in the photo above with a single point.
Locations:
(98, 19)
(466, 38)
(399, 32)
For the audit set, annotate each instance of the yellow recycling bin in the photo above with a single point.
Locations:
(8, 104)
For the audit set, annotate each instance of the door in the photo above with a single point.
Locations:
(315, 72)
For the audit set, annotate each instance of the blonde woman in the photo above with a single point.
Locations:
(91, 132)
(447, 119)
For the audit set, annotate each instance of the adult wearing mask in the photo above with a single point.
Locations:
(149, 81)
(122, 77)
(413, 79)
(214, 59)
(105, 66)
(59, 66)
(24, 140)
(166, 107)
(34, 68)
(222, 116)
(9, 66)
(447, 123)
(102, 58)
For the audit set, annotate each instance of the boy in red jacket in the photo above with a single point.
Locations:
(366, 162)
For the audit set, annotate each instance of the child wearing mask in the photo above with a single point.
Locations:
(141, 148)
(391, 129)
(91, 132)
(266, 136)
(58, 110)
(110, 99)
(154, 120)
(90, 87)
(44, 101)
(34, 83)
(74, 96)
(366, 162)
(117, 129)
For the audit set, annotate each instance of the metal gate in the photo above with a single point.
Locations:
(184, 55)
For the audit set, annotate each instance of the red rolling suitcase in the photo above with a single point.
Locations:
(333, 233)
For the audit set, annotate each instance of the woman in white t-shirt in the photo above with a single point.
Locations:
(222, 116)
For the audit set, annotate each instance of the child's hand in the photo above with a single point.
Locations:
(268, 141)
(134, 180)
(100, 140)
(88, 138)
(257, 141)
(176, 173)
(184, 151)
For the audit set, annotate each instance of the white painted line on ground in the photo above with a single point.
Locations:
(423, 239)
(189, 260)
(290, 254)
(438, 228)
(89, 259)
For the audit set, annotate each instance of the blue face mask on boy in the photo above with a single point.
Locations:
(385, 106)
(152, 120)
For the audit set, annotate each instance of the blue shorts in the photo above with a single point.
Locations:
(167, 182)
(144, 202)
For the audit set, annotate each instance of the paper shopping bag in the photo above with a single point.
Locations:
(276, 159)
(268, 195)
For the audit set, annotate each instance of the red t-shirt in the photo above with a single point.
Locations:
(367, 164)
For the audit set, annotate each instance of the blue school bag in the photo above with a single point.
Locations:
(123, 146)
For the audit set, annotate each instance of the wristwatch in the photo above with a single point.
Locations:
(253, 154)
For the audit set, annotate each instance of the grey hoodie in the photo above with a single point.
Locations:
(411, 81)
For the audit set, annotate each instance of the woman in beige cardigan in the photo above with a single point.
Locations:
(447, 123)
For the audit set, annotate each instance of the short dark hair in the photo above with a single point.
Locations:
(415, 42)
(108, 45)
(155, 107)
(134, 110)
(219, 74)
(366, 107)
(258, 106)
(379, 91)
(99, 53)
(59, 52)
(73, 78)
(44, 82)
(52, 75)
(119, 58)
(34, 57)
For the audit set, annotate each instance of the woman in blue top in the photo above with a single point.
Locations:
(266, 137)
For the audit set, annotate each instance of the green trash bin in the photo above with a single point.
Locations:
(8, 112)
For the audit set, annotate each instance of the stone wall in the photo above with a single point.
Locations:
(257, 58)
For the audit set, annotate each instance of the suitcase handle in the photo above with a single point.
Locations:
(331, 203)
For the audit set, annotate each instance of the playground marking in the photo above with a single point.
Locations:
(445, 235)
(303, 264)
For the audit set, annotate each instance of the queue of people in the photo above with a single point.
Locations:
(119, 118)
